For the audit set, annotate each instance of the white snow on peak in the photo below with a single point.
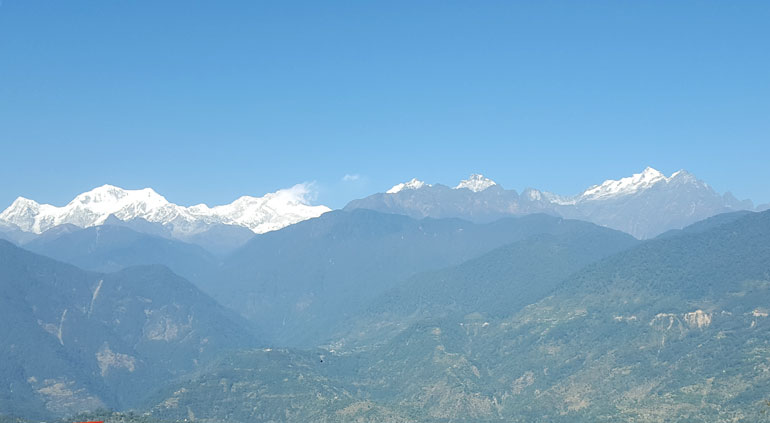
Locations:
(260, 214)
(544, 196)
(413, 184)
(268, 213)
(558, 199)
(630, 185)
(476, 183)
(533, 194)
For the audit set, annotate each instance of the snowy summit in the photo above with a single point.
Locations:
(413, 184)
(476, 183)
(629, 185)
(259, 214)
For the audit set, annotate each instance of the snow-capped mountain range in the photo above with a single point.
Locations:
(626, 186)
(606, 190)
(614, 189)
(259, 214)
(644, 204)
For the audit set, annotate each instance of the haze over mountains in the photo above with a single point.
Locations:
(75, 340)
(673, 329)
(299, 284)
(644, 205)
(430, 303)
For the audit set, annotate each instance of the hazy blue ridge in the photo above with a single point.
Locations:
(76, 340)
(299, 282)
(654, 333)
(109, 248)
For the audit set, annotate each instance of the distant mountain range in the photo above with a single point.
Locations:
(148, 211)
(425, 303)
(110, 248)
(532, 318)
(644, 205)
(300, 283)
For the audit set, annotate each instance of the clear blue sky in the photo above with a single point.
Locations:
(209, 100)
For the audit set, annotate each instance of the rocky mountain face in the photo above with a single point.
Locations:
(12, 233)
(644, 205)
(76, 340)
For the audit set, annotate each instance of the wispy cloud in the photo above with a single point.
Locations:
(303, 193)
(351, 178)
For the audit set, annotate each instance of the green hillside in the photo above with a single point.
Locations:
(76, 340)
(675, 329)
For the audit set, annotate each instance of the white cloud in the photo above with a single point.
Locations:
(303, 193)
(351, 178)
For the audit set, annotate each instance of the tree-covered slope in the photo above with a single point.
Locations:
(497, 283)
(298, 283)
(675, 329)
(75, 340)
(271, 386)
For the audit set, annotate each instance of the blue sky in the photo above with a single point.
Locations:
(207, 101)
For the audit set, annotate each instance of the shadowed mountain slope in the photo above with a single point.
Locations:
(298, 283)
(675, 329)
(75, 340)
